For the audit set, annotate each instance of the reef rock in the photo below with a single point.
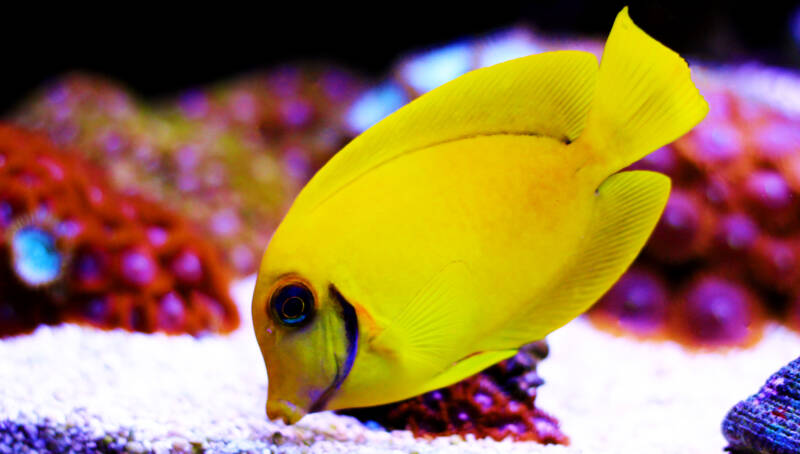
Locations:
(768, 422)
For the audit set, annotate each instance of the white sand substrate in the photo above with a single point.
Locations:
(177, 393)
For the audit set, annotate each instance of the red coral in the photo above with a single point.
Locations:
(496, 403)
(127, 262)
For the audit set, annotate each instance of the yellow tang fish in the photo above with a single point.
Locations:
(478, 218)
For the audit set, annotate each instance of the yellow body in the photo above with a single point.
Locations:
(478, 218)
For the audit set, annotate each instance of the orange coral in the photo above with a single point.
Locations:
(97, 256)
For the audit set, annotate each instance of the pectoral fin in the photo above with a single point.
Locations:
(430, 329)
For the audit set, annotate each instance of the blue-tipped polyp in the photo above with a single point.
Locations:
(36, 258)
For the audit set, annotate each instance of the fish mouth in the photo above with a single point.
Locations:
(284, 410)
(348, 314)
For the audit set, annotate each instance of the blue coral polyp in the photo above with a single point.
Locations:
(36, 258)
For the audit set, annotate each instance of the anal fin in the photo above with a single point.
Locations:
(627, 209)
(468, 367)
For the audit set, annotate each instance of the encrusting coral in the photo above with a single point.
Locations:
(74, 249)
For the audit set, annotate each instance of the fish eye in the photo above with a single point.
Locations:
(293, 304)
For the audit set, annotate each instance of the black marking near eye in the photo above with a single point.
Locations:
(350, 327)
(293, 304)
(350, 318)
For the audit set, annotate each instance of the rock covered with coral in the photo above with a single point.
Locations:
(769, 421)
(72, 248)
(230, 157)
(496, 403)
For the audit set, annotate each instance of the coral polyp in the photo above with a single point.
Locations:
(74, 249)
(638, 303)
(496, 403)
(35, 254)
(716, 311)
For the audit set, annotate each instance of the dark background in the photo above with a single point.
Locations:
(157, 50)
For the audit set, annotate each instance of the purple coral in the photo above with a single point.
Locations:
(638, 302)
(717, 311)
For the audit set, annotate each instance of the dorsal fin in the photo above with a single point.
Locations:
(627, 209)
(644, 99)
(546, 94)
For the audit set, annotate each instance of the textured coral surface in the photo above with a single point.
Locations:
(496, 403)
(769, 421)
(230, 157)
(72, 248)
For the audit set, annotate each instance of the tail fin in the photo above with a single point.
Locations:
(644, 98)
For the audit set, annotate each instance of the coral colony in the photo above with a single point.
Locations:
(73, 249)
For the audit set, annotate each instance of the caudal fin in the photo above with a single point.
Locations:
(644, 98)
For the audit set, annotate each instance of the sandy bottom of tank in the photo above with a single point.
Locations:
(178, 394)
